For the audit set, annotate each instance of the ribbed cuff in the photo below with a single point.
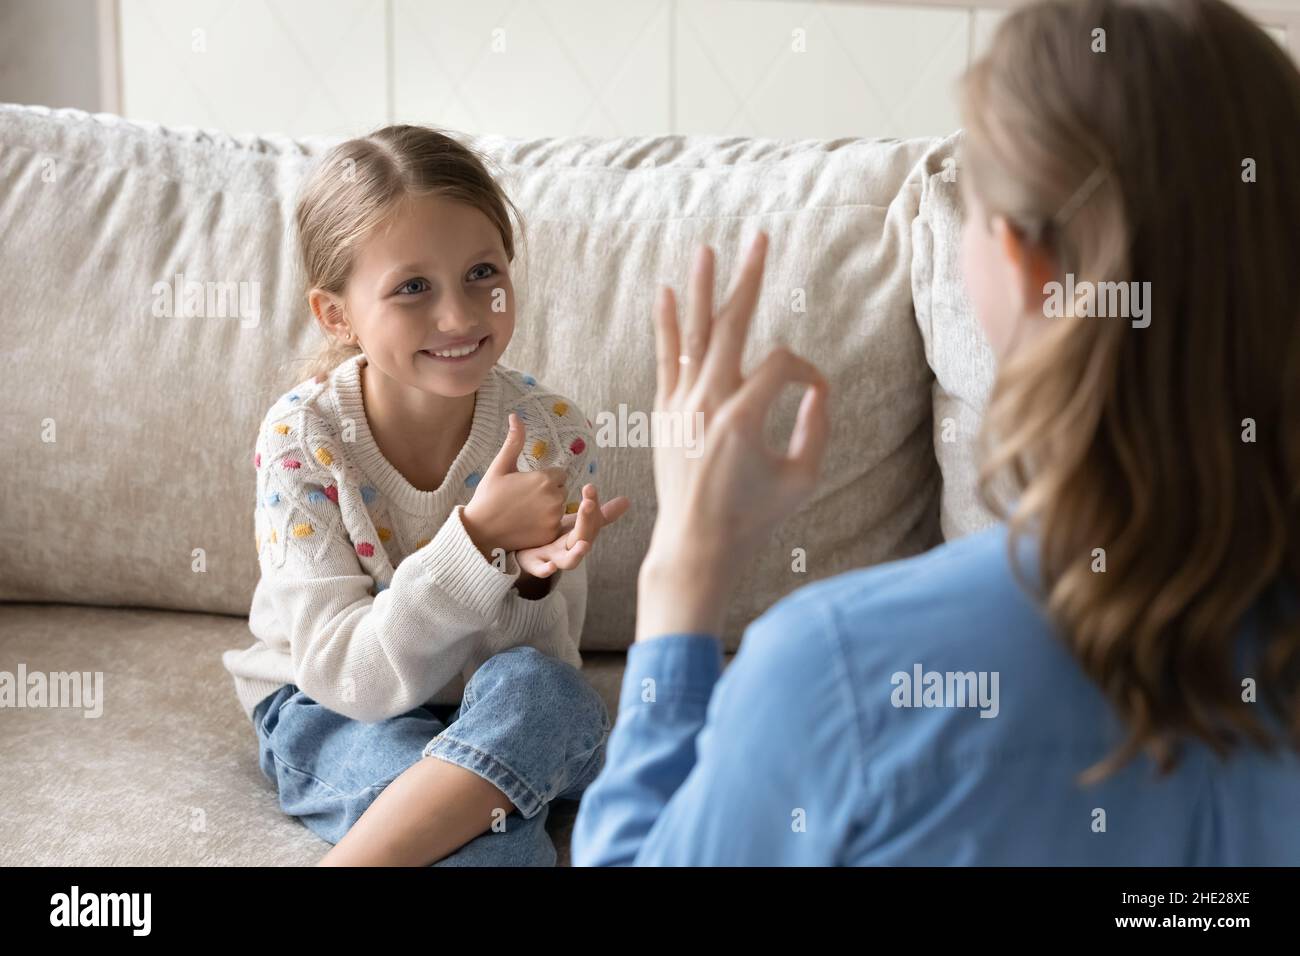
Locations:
(460, 569)
(523, 618)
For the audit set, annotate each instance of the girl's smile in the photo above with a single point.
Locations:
(464, 350)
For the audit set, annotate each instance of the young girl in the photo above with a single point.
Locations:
(1132, 631)
(422, 518)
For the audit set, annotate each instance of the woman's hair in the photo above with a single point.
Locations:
(1154, 141)
(357, 186)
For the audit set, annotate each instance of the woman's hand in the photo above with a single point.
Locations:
(717, 508)
(578, 535)
(511, 509)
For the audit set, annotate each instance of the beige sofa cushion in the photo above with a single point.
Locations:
(154, 418)
(955, 347)
(167, 773)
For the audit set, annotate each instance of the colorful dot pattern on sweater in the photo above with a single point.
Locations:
(304, 477)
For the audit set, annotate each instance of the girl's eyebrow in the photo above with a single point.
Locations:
(392, 274)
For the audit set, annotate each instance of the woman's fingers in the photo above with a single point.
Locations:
(727, 341)
(755, 397)
(667, 342)
(699, 314)
(811, 432)
(707, 344)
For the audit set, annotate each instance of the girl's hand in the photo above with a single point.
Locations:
(717, 508)
(579, 534)
(511, 509)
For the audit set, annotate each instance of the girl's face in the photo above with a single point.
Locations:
(433, 280)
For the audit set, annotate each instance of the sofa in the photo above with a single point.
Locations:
(127, 558)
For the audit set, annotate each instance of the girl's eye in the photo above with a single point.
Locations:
(406, 287)
(483, 270)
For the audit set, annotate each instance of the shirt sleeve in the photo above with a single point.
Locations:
(366, 656)
(756, 767)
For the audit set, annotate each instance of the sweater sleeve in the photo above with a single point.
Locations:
(368, 657)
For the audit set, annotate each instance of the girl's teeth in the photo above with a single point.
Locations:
(457, 353)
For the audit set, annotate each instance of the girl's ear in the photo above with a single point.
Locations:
(330, 313)
(1029, 266)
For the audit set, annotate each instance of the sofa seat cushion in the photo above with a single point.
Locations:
(167, 773)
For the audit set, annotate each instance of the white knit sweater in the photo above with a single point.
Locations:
(373, 599)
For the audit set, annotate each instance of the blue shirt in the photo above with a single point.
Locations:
(820, 746)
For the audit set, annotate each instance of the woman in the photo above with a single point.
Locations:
(1110, 675)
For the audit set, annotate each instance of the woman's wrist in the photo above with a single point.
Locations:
(680, 595)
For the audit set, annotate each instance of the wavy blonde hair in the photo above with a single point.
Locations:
(356, 187)
(1131, 165)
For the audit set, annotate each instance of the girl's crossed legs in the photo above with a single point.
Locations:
(474, 785)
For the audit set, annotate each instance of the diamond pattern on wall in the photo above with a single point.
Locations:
(553, 67)
(545, 67)
(530, 68)
(287, 66)
(794, 70)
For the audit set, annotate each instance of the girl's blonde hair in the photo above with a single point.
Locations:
(356, 187)
(1160, 149)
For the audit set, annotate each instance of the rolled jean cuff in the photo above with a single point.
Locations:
(517, 790)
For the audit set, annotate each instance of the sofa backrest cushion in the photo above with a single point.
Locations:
(955, 347)
(130, 434)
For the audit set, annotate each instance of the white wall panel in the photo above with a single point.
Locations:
(287, 66)
(529, 68)
(795, 70)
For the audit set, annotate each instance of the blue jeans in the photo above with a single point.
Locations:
(529, 724)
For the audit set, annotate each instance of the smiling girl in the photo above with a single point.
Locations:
(423, 514)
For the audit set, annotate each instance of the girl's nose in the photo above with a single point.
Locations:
(454, 313)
